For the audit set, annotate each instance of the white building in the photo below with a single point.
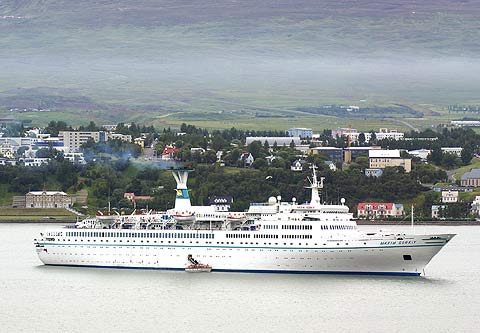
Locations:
(118, 136)
(452, 150)
(6, 161)
(17, 142)
(420, 153)
(331, 165)
(436, 211)
(47, 199)
(34, 162)
(74, 139)
(272, 140)
(380, 159)
(75, 157)
(247, 159)
(476, 206)
(344, 131)
(465, 123)
(304, 133)
(297, 166)
(110, 128)
(449, 196)
(198, 150)
(383, 133)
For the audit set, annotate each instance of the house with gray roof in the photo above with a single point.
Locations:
(471, 178)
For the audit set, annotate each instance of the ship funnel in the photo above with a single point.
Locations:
(182, 199)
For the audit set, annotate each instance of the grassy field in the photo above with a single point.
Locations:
(35, 215)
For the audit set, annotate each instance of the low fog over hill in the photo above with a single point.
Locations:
(194, 56)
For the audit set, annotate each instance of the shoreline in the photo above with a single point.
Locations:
(2, 221)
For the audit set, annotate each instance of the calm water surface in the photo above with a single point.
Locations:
(37, 298)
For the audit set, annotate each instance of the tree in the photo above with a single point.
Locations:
(259, 163)
(266, 146)
(361, 138)
(436, 155)
(255, 148)
(466, 155)
(450, 161)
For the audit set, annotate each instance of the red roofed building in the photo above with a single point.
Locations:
(373, 210)
(168, 152)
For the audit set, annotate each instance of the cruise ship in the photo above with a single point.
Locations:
(276, 237)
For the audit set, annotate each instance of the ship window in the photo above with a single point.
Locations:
(407, 257)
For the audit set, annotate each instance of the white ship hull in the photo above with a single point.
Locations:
(277, 238)
(406, 256)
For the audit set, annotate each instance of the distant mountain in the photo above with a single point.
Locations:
(197, 56)
(443, 26)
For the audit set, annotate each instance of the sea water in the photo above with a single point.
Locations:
(39, 298)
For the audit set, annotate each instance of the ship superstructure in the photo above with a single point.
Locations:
(276, 237)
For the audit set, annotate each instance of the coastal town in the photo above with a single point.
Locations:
(437, 167)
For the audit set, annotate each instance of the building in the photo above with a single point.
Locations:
(197, 150)
(140, 142)
(380, 159)
(246, 158)
(110, 128)
(47, 199)
(76, 158)
(476, 206)
(453, 188)
(465, 123)
(297, 166)
(274, 140)
(449, 196)
(436, 211)
(471, 178)
(374, 210)
(420, 153)
(7, 151)
(345, 131)
(331, 165)
(75, 139)
(169, 152)
(17, 142)
(270, 159)
(34, 162)
(383, 133)
(452, 150)
(332, 153)
(304, 133)
(373, 172)
(6, 161)
(118, 136)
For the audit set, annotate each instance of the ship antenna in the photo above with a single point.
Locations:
(315, 185)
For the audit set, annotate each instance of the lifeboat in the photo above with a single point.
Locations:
(184, 216)
(236, 217)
